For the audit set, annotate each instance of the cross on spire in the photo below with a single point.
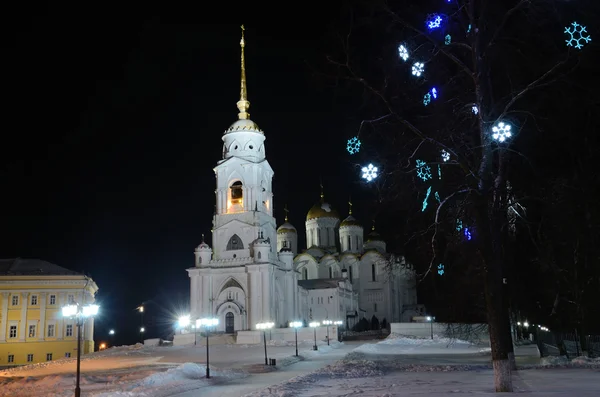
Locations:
(286, 212)
(243, 104)
(350, 205)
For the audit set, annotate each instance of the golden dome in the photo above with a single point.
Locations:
(374, 236)
(350, 221)
(286, 228)
(322, 210)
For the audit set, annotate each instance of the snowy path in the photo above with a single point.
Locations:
(259, 382)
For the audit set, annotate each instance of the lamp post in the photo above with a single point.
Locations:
(314, 326)
(141, 310)
(265, 327)
(80, 314)
(327, 323)
(338, 323)
(430, 319)
(296, 325)
(207, 323)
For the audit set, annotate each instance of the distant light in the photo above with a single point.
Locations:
(525, 324)
(111, 332)
(327, 322)
(141, 309)
(338, 322)
(266, 325)
(69, 311)
(102, 346)
(142, 329)
(314, 324)
(295, 324)
(428, 318)
(90, 310)
(183, 321)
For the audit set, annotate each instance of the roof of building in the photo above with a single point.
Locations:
(320, 283)
(350, 221)
(322, 210)
(286, 228)
(32, 267)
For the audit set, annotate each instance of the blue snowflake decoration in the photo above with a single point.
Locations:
(369, 172)
(440, 269)
(434, 93)
(448, 39)
(427, 99)
(577, 38)
(423, 170)
(434, 21)
(459, 225)
(353, 145)
(439, 172)
(437, 197)
(425, 199)
(469, 29)
(467, 233)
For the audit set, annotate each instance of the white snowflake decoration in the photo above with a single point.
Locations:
(403, 52)
(445, 155)
(423, 170)
(353, 145)
(369, 172)
(475, 109)
(576, 36)
(501, 131)
(418, 68)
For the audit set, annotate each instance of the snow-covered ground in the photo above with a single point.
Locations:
(381, 370)
(150, 371)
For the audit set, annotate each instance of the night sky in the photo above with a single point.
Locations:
(115, 121)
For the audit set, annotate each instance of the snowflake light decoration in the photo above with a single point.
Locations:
(425, 199)
(445, 155)
(468, 234)
(475, 109)
(434, 21)
(577, 38)
(434, 93)
(369, 172)
(448, 39)
(403, 52)
(437, 197)
(440, 269)
(427, 99)
(353, 145)
(439, 172)
(418, 68)
(459, 225)
(469, 29)
(501, 131)
(423, 170)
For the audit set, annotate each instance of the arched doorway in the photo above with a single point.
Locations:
(229, 321)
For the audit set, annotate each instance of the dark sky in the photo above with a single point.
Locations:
(115, 120)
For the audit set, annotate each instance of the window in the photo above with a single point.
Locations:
(349, 247)
(330, 272)
(11, 358)
(30, 358)
(305, 274)
(51, 330)
(373, 272)
(235, 243)
(12, 332)
(318, 236)
(15, 300)
(32, 331)
(48, 356)
(375, 307)
(259, 255)
(33, 300)
(237, 193)
(67, 354)
(53, 299)
(71, 299)
(69, 330)
(350, 272)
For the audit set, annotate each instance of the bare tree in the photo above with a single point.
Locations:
(489, 63)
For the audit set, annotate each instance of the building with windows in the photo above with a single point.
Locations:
(32, 294)
(253, 272)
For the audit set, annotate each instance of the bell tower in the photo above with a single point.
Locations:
(244, 195)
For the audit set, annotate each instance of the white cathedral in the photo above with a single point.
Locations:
(254, 273)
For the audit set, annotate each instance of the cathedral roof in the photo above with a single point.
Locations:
(32, 267)
(286, 228)
(350, 221)
(322, 210)
(243, 125)
(374, 236)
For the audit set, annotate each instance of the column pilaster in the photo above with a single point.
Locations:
(23, 327)
(4, 318)
(42, 328)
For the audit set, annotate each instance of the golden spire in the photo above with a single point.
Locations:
(243, 105)
(286, 212)
(373, 227)
(350, 205)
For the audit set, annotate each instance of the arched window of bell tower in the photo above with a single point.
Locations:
(235, 243)
(236, 197)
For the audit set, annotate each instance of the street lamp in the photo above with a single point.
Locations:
(265, 327)
(430, 319)
(327, 323)
(111, 332)
(338, 323)
(80, 314)
(142, 330)
(296, 325)
(314, 326)
(206, 323)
